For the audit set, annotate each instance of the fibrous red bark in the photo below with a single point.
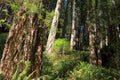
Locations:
(24, 42)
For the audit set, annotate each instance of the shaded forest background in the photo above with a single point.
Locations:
(60, 40)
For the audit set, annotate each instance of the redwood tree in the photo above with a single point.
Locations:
(24, 42)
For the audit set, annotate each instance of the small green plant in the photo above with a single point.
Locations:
(22, 75)
(49, 16)
(61, 46)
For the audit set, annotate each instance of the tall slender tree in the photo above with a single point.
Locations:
(54, 25)
(73, 31)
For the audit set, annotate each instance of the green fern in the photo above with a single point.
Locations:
(23, 74)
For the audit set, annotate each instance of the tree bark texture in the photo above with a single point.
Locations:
(94, 34)
(73, 34)
(92, 31)
(24, 42)
(54, 25)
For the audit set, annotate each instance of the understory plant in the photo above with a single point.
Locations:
(73, 67)
(85, 71)
(61, 46)
(22, 75)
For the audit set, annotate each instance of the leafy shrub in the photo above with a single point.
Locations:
(56, 66)
(82, 56)
(61, 46)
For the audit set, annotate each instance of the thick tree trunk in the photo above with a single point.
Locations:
(92, 31)
(94, 34)
(93, 56)
(54, 25)
(24, 42)
(73, 33)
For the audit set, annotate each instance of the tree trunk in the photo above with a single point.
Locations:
(92, 31)
(65, 18)
(78, 34)
(93, 56)
(94, 34)
(98, 35)
(24, 42)
(98, 45)
(54, 26)
(73, 33)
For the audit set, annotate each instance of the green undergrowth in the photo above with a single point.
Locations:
(57, 65)
(61, 46)
(74, 66)
(18, 75)
(85, 71)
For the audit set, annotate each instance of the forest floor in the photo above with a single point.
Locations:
(75, 66)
